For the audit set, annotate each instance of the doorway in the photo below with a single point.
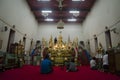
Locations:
(108, 39)
(10, 39)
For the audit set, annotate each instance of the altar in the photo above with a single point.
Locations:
(61, 52)
(59, 56)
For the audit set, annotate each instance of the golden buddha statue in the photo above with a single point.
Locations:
(60, 39)
(51, 42)
(43, 42)
(59, 51)
(101, 50)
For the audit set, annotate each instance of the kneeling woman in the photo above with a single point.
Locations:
(46, 65)
(71, 66)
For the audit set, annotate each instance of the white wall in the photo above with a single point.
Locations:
(4, 36)
(17, 12)
(104, 13)
(71, 29)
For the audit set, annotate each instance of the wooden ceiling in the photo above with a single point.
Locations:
(60, 10)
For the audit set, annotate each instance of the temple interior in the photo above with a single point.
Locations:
(25, 34)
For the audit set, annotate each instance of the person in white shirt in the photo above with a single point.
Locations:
(105, 62)
(93, 63)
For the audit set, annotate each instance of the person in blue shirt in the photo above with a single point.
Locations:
(46, 65)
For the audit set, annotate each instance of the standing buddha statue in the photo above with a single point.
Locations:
(51, 42)
(60, 40)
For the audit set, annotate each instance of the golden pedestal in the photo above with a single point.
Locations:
(60, 56)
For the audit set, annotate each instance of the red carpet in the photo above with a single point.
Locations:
(32, 73)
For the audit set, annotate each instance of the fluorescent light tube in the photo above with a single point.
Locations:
(72, 20)
(46, 11)
(74, 12)
(48, 19)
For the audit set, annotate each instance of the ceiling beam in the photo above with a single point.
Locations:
(57, 9)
